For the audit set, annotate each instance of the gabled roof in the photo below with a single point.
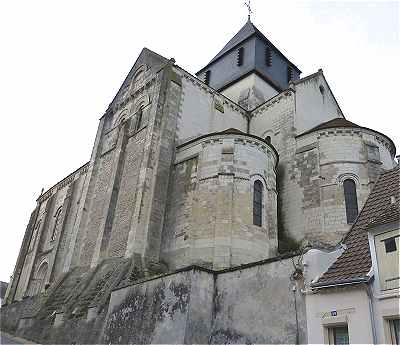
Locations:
(355, 262)
(247, 31)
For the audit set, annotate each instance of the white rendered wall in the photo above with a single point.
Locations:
(199, 114)
(351, 306)
(314, 107)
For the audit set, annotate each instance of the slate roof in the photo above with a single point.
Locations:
(355, 262)
(341, 122)
(247, 31)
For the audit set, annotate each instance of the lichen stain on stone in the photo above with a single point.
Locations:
(125, 319)
(228, 336)
(170, 300)
(135, 319)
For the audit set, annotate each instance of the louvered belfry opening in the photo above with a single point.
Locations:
(289, 73)
(268, 56)
(240, 56)
(207, 77)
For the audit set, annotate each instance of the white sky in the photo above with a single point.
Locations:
(61, 63)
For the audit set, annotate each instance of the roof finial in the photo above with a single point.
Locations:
(248, 5)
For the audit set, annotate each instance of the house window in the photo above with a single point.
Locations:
(390, 245)
(207, 77)
(338, 335)
(268, 139)
(268, 56)
(387, 257)
(350, 197)
(394, 331)
(289, 73)
(257, 203)
(240, 56)
(57, 217)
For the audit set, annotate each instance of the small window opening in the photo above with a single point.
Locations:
(268, 139)
(322, 89)
(257, 203)
(268, 56)
(207, 77)
(350, 197)
(390, 245)
(240, 56)
(289, 73)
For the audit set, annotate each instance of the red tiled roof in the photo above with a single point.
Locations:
(355, 262)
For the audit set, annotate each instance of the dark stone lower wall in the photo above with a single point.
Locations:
(255, 303)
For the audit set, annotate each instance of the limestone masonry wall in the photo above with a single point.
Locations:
(209, 217)
(193, 305)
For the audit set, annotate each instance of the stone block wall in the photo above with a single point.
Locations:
(51, 232)
(204, 110)
(209, 219)
(254, 303)
(324, 159)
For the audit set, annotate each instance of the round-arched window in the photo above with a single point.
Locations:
(257, 202)
(350, 198)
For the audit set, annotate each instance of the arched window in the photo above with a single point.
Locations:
(350, 198)
(257, 203)
(41, 278)
(57, 219)
(138, 78)
(139, 118)
(268, 139)
(34, 235)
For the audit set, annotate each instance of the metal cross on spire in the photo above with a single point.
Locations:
(248, 5)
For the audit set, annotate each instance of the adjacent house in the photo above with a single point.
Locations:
(356, 299)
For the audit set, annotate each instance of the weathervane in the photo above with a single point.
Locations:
(248, 5)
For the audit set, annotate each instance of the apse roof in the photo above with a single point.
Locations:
(341, 122)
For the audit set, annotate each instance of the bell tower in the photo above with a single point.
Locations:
(249, 69)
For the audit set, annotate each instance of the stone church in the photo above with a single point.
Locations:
(196, 183)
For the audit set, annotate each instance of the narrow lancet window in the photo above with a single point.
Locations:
(350, 197)
(139, 118)
(257, 203)
(57, 217)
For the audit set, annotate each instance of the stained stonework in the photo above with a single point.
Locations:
(181, 174)
(209, 218)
